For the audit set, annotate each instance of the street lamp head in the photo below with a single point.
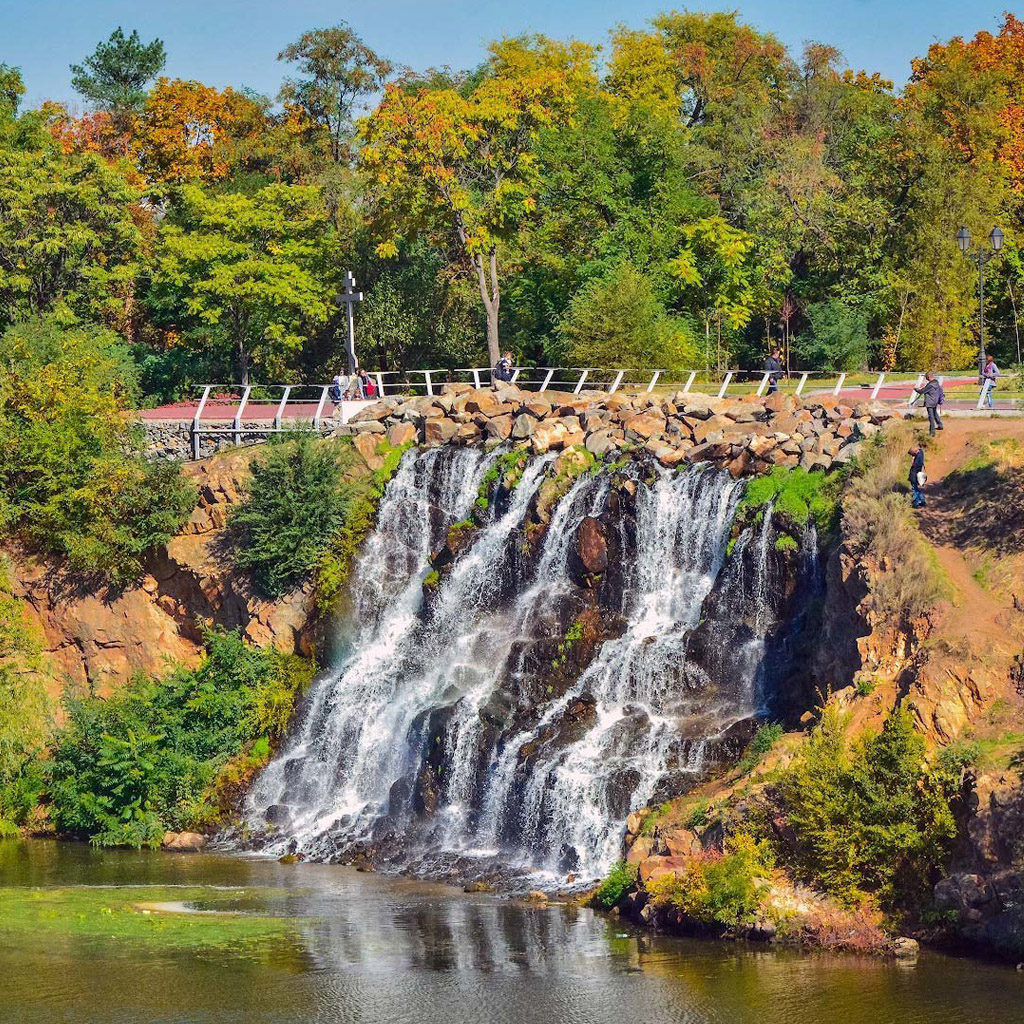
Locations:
(996, 239)
(963, 239)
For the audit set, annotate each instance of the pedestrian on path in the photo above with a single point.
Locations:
(931, 391)
(989, 376)
(918, 478)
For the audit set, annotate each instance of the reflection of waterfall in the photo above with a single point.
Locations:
(439, 728)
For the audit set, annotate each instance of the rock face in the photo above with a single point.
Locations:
(100, 638)
(747, 435)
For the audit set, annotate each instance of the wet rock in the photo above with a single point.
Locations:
(590, 550)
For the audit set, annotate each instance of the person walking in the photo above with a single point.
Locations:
(989, 376)
(932, 393)
(773, 367)
(917, 477)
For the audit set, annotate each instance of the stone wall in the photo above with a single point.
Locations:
(747, 435)
(171, 440)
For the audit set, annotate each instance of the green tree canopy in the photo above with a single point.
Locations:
(114, 76)
(252, 273)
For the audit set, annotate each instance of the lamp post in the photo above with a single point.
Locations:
(980, 257)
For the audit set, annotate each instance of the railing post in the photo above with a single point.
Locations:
(654, 380)
(430, 386)
(616, 382)
(579, 384)
(547, 380)
(380, 383)
(877, 387)
(237, 424)
(280, 409)
(476, 377)
(800, 386)
(839, 383)
(763, 384)
(689, 382)
(195, 421)
(318, 415)
(725, 384)
(913, 395)
(515, 374)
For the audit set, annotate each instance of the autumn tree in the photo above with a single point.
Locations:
(252, 273)
(460, 166)
(181, 132)
(336, 70)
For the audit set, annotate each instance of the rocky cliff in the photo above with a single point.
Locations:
(100, 637)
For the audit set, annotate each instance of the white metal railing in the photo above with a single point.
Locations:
(228, 410)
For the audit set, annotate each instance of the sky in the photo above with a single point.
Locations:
(235, 42)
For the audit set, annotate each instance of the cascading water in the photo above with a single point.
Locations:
(445, 730)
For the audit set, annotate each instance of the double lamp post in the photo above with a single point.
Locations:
(980, 256)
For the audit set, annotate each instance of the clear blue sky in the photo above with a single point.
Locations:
(235, 42)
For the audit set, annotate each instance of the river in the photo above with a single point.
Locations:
(341, 946)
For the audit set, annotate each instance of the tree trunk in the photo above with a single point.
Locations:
(490, 294)
(242, 359)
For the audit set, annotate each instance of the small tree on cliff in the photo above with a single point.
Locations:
(458, 165)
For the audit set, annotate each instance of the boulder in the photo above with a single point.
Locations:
(183, 842)
(600, 443)
(366, 445)
(499, 427)
(523, 427)
(591, 547)
(437, 431)
(646, 425)
(537, 407)
(547, 434)
(483, 402)
(401, 433)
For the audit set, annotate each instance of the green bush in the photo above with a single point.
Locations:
(724, 891)
(151, 757)
(871, 818)
(72, 478)
(764, 739)
(795, 495)
(619, 881)
(618, 321)
(295, 504)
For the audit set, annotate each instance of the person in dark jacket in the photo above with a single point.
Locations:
(773, 367)
(931, 392)
(503, 370)
(917, 477)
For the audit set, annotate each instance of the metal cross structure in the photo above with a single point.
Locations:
(350, 297)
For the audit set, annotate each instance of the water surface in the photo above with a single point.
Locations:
(368, 948)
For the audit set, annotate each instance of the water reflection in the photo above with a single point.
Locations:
(371, 949)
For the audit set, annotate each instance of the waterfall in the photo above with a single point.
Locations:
(440, 730)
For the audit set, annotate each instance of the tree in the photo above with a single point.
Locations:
(617, 322)
(338, 69)
(68, 241)
(250, 272)
(462, 168)
(838, 338)
(180, 130)
(72, 478)
(114, 76)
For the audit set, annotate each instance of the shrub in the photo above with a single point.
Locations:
(764, 739)
(722, 891)
(72, 478)
(152, 756)
(618, 882)
(294, 505)
(618, 321)
(871, 818)
(796, 495)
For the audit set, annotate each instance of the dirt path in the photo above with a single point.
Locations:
(977, 612)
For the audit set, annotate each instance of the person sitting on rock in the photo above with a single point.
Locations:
(917, 477)
(502, 371)
(931, 391)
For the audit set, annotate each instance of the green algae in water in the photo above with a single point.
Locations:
(163, 917)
